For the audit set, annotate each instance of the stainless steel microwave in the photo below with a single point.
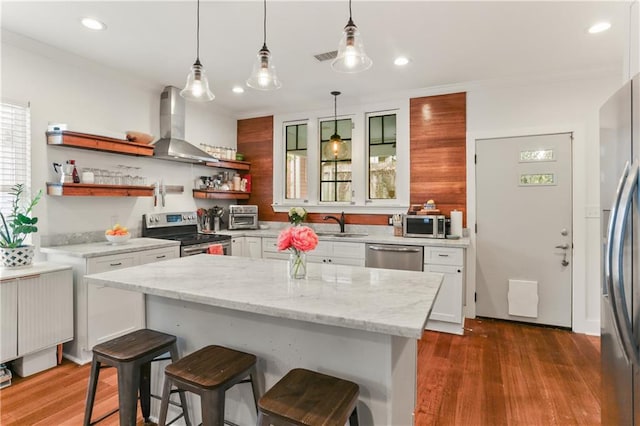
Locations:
(424, 226)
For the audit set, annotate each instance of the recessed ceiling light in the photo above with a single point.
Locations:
(599, 27)
(401, 61)
(93, 24)
(238, 89)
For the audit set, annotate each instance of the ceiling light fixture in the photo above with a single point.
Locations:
(599, 27)
(336, 148)
(401, 61)
(197, 87)
(263, 76)
(238, 89)
(351, 55)
(93, 24)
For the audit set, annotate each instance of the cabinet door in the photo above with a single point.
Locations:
(158, 255)
(238, 246)
(45, 311)
(348, 251)
(112, 312)
(448, 305)
(8, 320)
(253, 247)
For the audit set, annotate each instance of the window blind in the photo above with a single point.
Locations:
(15, 150)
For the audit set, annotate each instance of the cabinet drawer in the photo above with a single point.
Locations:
(110, 263)
(157, 255)
(324, 248)
(270, 245)
(348, 250)
(443, 256)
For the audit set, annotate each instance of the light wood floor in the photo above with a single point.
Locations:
(498, 373)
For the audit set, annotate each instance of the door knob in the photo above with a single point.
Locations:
(564, 232)
(563, 246)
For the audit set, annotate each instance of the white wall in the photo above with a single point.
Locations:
(64, 88)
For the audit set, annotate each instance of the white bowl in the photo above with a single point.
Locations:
(118, 239)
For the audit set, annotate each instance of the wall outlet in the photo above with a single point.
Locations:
(390, 220)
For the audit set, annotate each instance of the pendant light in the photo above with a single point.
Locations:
(336, 148)
(197, 87)
(351, 55)
(263, 76)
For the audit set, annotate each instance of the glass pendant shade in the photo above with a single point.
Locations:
(263, 76)
(336, 149)
(351, 55)
(197, 87)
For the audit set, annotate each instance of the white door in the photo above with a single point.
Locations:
(524, 239)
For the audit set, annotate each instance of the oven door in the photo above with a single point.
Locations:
(243, 221)
(192, 250)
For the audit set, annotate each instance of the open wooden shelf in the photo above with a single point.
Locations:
(231, 164)
(220, 195)
(98, 143)
(95, 190)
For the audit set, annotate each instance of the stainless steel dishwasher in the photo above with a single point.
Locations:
(394, 256)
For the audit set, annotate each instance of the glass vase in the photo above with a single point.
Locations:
(298, 265)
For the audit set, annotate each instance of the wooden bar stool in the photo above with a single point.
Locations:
(304, 397)
(131, 355)
(209, 372)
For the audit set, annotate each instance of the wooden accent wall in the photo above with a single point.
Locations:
(438, 127)
(438, 159)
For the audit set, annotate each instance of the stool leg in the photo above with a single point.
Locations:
(164, 405)
(212, 408)
(183, 400)
(128, 383)
(145, 390)
(254, 387)
(91, 391)
(353, 418)
(263, 420)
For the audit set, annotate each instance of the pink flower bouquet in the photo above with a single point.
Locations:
(298, 240)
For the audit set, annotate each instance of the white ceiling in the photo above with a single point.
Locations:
(448, 42)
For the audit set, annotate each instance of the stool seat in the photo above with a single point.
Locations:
(135, 345)
(210, 366)
(304, 397)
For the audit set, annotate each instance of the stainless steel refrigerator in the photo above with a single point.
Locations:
(620, 303)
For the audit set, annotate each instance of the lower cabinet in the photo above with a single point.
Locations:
(338, 253)
(103, 313)
(270, 249)
(36, 314)
(247, 247)
(446, 314)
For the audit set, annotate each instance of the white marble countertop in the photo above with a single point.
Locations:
(377, 300)
(370, 238)
(104, 248)
(7, 274)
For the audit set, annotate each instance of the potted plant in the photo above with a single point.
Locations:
(15, 228)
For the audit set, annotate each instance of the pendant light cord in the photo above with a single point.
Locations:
(264, 24)
(198, 33)
(349, 9)
(335, 114)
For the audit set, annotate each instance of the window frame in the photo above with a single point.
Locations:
(286, 150)
(5, 189)
(360, 203)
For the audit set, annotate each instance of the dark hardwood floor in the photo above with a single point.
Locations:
(498, 373)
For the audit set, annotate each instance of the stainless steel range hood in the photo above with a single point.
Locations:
(172, 145)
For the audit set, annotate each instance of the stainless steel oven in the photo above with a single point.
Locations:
(183, 227)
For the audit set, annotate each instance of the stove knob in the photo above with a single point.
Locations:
(156, 219)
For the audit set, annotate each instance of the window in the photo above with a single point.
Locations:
(382, 156)
(296, 161)
(335, 161)
(15, 150)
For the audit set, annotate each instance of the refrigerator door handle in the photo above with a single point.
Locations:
(619, 301)
(613, 216)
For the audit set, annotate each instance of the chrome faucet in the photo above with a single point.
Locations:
(339, 220)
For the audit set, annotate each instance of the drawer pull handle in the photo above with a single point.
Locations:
(115, 264)
(161, 257)
(443, 255)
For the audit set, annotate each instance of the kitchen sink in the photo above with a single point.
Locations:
(341, 234)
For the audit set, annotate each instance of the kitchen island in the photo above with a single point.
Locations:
(358, 323)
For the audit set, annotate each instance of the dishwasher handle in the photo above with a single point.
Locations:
(395, 249)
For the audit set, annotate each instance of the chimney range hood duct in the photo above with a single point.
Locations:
(171, 145)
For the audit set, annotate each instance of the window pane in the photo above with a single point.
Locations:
(335, 162)
(335, 191)
(375, 130)
(296, 162)
(382, 157)
(344, 128)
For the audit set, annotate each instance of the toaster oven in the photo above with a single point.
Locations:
(243, 217)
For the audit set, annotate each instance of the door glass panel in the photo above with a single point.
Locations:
(382, 157)
(335, 161)
(296, 162)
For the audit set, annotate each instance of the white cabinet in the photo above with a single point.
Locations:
(247, 247)
(270, 249)
(446, 314)
(103, 313)
(36, 315)
(338, 253)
